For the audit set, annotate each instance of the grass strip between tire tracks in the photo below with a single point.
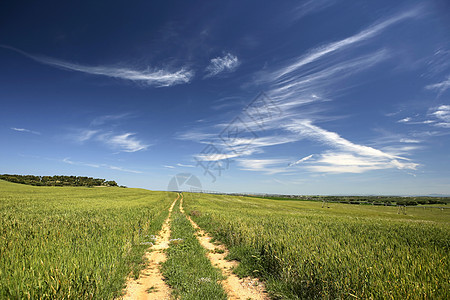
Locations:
(187, 269)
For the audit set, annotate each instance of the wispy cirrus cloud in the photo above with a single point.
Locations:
(296, 88)
(99, 131)
(442, 113)
(310, 7)
(147, 76)
(25, 130)
(84, 135)
(440, 87)
(301, 160)
(302, 87)
(344, 162)
(438, 116)
(126, 142)
(67, 160)
(306, 129)
(361, 36)
(226, 63)
(351, 157)
(101, 120)
(268, 166)
(185, 166)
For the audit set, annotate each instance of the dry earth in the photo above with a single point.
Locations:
(151, 284)
(236, 288)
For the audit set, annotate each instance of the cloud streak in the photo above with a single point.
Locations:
(124, 142)
(363, 35)
(268, 166)
(294, 89)
(351, 157)
(94, 165)
(301, 160)
(440, 86)
(25, 130)
(227, 63)
(146, 77)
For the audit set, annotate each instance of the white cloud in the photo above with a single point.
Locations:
(294, 88)
(219, 156)
(25, 130)
(309, 7)
(301, 160)
(169, 167)
(85, 135)
(352, 157)
(196, 136)
(94, 165)
(122, 169)
(409, 141)
(306, 129)
(124, 142)
(440, 86)
(148, 76)
(405, 120)
(301, 87)
(342, 162)
(443, 113)
(227, 63)
(185, 166)
(363, 35)
(269, 166)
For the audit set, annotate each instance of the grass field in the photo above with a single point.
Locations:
(304, 251)
(74, 242)
(82, 243)
(187, 269)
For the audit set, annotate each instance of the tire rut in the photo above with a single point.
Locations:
(235, 287)
(151, 284)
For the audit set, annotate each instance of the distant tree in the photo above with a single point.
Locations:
(57, 180)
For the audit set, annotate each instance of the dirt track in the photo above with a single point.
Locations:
(151, 284)
(236, 288)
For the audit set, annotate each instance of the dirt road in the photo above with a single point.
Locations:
(151, 284)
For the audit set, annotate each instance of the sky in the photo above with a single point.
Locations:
(327, 97)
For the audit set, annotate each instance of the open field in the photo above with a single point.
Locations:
(346, 251)
(80, 243)
(74, 242)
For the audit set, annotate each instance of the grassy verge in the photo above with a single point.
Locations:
(187, 269)
(303, 251)
(74, 242)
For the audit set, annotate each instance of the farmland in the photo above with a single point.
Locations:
(74, 242)
(302, 250)
(80, 243)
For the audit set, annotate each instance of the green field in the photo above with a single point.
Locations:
(74, 242)
(304, 251)
(187, 269)
(82, 243)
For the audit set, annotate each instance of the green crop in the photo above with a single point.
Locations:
(303, 251)
(187, 269)
(74, 242)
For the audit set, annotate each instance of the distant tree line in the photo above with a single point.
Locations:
(372, 200)
(57, 180)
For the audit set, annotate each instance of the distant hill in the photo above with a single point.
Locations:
(57, 180)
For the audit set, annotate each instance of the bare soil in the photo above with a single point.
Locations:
(151, 284)
(235, 287)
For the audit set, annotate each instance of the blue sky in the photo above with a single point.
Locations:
(297, 97)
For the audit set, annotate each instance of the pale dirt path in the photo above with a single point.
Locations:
(236, 288)
(151, 277)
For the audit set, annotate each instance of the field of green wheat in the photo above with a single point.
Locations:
(74, 242)
(83, 243)
(304, 251)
